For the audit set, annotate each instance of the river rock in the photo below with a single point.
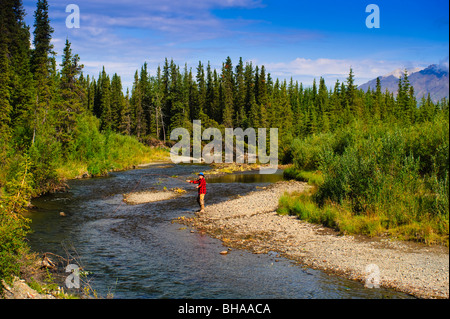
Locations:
(20, 290)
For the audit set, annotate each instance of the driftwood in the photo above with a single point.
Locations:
(50, 264)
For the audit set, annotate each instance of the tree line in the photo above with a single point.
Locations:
(245, 96)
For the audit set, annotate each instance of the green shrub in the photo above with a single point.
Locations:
(304, 208)
(13, 225)
(12, 243)
(306, 153)
(389, 179)
(44, 155)
(102, 152)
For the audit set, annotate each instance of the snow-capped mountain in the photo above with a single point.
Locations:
(433, 80)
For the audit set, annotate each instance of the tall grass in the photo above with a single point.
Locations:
(311, 177)
(378, 180)
(96, 153)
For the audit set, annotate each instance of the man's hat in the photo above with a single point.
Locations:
(201, 174)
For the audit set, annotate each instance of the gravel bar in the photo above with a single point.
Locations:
(251, 222)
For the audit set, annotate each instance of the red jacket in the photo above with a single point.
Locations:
(202, 183)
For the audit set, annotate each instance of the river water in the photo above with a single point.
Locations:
(135, 251)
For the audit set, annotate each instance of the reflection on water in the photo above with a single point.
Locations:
(135, 251)
(247, 177)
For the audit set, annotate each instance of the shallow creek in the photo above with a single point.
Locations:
(135, 251)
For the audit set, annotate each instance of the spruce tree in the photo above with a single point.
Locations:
(322, 105)
(117, 102)
(228, 98)
(411, 102)
(158, 104)
(136, 107)
(178, 106)
(17, 36)
(210, 93)
(42, 65)
(69, 82)
(43, 48)
(239, 99)
(379, 107)
(165, 98)
(105, 102)
(217, 94)
(125, 116)
(202, 93)
(146, 91)
(263, 98)
(403, 110)
(220, 104)
(253, 116)
(314, 92)
(335, 106)
(71, 93)
(5, 76)
(293, 96)
(350, 106)
(190, 91)
(285, 116)
(249, 80)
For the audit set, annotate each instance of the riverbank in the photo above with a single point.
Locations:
(19, 289)
(125, 153)
(251, 222)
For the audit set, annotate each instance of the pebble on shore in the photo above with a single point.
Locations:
(251, 222)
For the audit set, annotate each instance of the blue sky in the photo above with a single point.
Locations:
(299, 39)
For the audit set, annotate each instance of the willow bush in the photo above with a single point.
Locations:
(377, 180)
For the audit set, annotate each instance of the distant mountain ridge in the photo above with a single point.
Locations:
(433, 80)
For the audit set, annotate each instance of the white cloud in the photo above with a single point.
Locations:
(122, 35)
(150, 30)
(125, 70)
(172, 5)
(444, 63)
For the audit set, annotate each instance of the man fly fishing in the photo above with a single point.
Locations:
(201, 190)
